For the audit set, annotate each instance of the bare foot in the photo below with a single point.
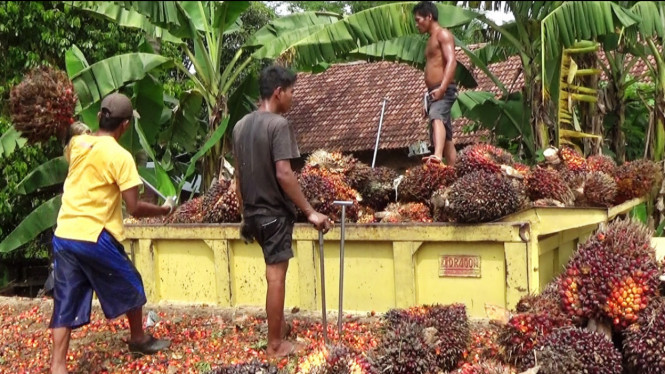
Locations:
(59, 369)
(285, 349)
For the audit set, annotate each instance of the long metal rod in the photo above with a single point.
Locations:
(378, 134)
(341, 275)
(323, 288)
(155, 190)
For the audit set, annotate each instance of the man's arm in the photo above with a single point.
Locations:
(447, 43)
(138, 208)
(289, 183)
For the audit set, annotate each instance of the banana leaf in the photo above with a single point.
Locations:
(164, 183)
(50, 173)
(125, 18)
(40, 219)
(93, 83)
(10, 141)
(385, 22)
(185, 122)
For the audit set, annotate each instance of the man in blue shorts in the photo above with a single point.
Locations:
(86, 246)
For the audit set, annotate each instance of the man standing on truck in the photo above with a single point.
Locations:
(86, 244)
(439, 79)
(263, 145)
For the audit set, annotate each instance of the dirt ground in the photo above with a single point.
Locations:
(203, 338)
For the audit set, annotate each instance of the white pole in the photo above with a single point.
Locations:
(378, 134)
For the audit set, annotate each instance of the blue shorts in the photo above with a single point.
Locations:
(81, 267)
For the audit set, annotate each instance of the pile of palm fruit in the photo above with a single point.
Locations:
(604, 313)
(486, 184)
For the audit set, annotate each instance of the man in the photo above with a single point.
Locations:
(86, 245)
(268, 190)
(439, 79)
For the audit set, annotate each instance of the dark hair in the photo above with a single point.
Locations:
(108, 123)
(426, 8)
(273, 77)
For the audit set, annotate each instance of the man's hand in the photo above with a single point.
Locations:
(437, 94)
(320, 221)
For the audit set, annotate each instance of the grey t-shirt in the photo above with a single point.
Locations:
(259, 140)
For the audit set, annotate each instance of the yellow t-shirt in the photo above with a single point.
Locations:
(99, 170)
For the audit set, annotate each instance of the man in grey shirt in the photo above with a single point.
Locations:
(268, 190)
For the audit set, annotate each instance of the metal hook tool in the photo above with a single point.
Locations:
(344, 204)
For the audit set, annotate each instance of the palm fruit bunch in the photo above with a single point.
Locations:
(612, 277)
(444, 331)
(547, 301)
(335, 162)
(521, 168)
(339, 359)
(636, 179)
(484, 367)
(573, 160)
(409, 212)
(644, 341)
(545, 183)
(322, 187)
(483, 344)
(221, 204)
(252, 367)
(405, 349)
(481, 196)
(576, 350)
(377, 190)
(43, 104)
(366, 215)
(523, 332)
(601, 163)
(483, 156)
(421, 180)
(189, 212)
(600, 189)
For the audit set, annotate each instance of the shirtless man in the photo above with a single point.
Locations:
(439, 75)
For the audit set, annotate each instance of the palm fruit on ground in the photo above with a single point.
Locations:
(544, 183)
(576, 350)
(572, 159)
(337, 359)
(600, 189)
(189, 212)
(481, 196)
(644, 341)
(43, 104)
(636, 179)
(522, 334)
(483, 344)
(484, 367)
(601, 163)
(252, 367)
(422, 180)
(484, 156)
(438, 334)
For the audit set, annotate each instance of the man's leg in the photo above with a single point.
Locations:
(276, 277)
(60, 346)
(450, 152)
(439, 136)
(135, 318)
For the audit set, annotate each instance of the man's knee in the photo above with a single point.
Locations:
(276, 273)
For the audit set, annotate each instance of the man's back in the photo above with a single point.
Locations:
(259, 140)
(99, 170)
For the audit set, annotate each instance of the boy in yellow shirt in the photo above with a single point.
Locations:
(86, 246)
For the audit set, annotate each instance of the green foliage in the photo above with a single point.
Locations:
(14, 206)
(340, 7)
(34, 33)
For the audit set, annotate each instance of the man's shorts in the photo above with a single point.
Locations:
(440, 110)
(81, 267)
(274, 235)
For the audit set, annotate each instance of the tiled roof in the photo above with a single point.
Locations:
(340, 108)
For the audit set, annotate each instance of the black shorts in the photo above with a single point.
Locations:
(440, 110)
(274, 235)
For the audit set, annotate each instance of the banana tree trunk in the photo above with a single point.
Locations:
(540, 120)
